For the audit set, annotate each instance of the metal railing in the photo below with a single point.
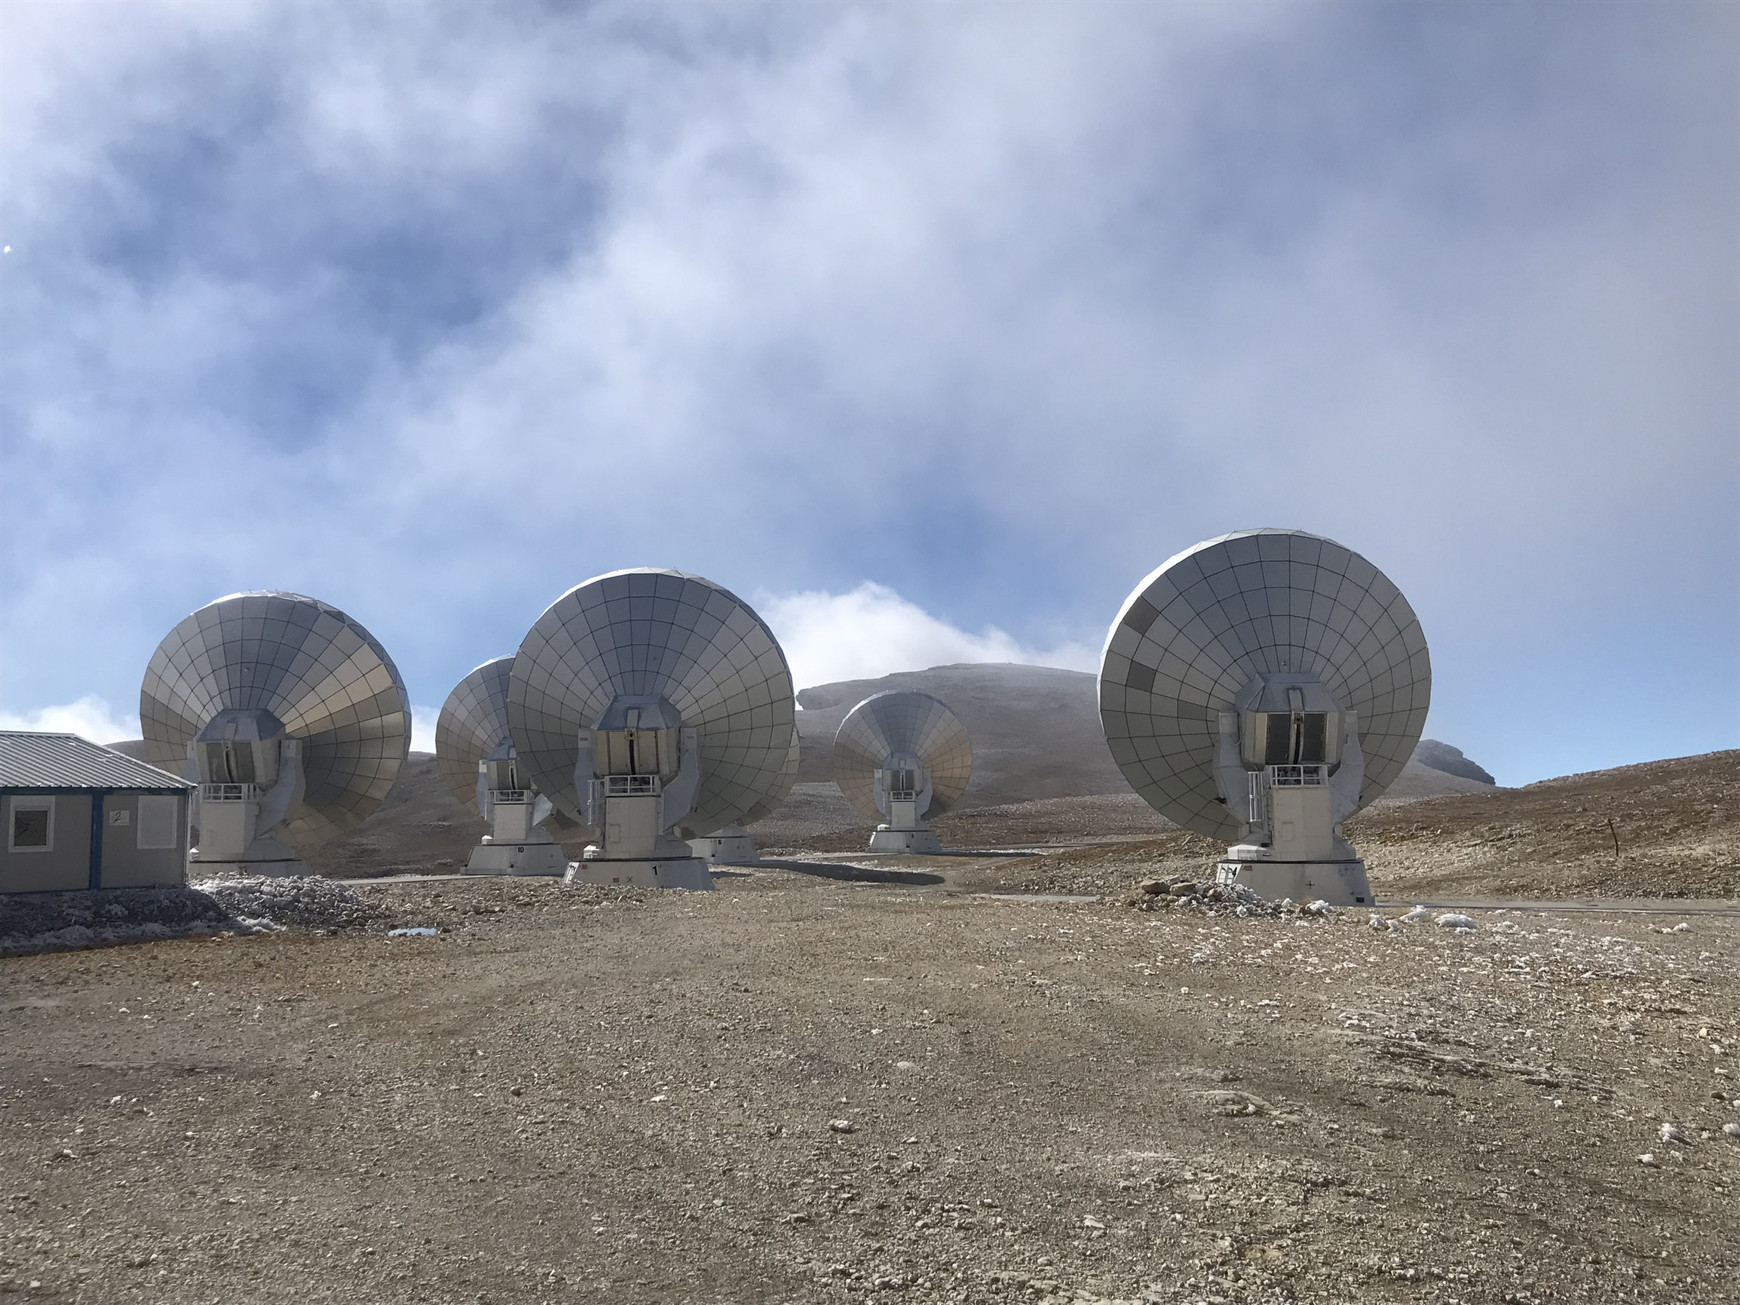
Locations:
(630, 785)
(230, 792)
(1308, 776)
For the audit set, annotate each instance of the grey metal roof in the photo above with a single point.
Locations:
(29, 759)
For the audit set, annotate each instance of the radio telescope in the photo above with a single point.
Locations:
(476, 757)
(290, 717)
(902, 756)
(1260, 688)
(732, 844)
(646, 703)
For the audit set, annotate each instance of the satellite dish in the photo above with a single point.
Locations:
(288, 714)
(652, 705)
(1260, 688)
(475, 755)
(732, 844)
(902, 756)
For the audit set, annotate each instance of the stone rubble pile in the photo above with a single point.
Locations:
(291, 902)
(1216, 899)
(59, 922)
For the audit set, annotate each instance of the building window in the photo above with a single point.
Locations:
(157, 821)
(30, 825)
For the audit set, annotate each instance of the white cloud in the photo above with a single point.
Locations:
(872, 631)
(1000, 303)
(423, 727)
(90, 718)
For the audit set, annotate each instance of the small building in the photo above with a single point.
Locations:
(76, 816)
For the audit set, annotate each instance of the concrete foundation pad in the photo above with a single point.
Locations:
(1339, 883)
(916, 841)
(517, 859)
(667, 872)
(731, 849)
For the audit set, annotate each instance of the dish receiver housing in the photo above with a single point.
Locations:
(249, 772)
(902, 792)
(639, 768)
(477, 760)
(1288, 764)
(517, 842)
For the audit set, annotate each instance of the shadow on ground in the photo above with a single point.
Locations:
(856, 874)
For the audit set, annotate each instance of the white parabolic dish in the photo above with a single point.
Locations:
(471, 726)
(316, 670)
(909, 723)
(1210, 620)
(661, 634)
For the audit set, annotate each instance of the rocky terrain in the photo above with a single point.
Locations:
(1663, 829)
(1058, 1069)
(810, 1088)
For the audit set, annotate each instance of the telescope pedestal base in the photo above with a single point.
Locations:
(264, 855)
(200, 869)
(517, 859)
(726, 849)
(917, 842)
(666, 872)
(1339, 883)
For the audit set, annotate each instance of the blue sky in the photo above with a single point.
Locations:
(929, 329)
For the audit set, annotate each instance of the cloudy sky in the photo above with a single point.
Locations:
(928, 329)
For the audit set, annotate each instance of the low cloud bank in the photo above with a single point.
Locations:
(872, 631)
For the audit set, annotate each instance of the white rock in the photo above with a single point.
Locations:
(1647, 1159)
(842, 1126)
(1451, 920)
(1682, 927)
(1416, 915)
(1732, 1130)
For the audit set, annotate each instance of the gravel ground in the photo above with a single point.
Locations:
(808, 1089)
(1664, 829)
